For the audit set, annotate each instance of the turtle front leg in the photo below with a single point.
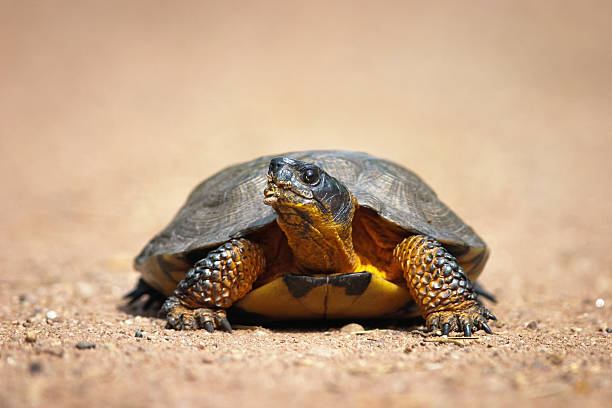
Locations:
(439, 286)
(214, 284)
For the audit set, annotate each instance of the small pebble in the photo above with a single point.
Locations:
(51, 315)
(83, 345)
(138, 334)
(351, 328)
(27, 298)
(575, 329)
(609, 330)
(600, 303)
(532, 325)
(556, 359)
(35, 367)
(30, 337)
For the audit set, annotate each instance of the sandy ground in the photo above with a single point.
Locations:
(110, 112)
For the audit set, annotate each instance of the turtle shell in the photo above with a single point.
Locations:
(230, 204)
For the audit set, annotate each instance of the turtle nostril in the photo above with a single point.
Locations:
(275, 165)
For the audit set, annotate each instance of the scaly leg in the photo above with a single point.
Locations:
(214, 284)
(439, 286)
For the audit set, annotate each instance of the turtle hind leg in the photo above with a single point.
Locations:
(482, 292)
(214, 283)
(154, 297)
(440, 288)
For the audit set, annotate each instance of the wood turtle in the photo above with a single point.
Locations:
(315, 234)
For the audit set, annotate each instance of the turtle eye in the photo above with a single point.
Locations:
(310, 176)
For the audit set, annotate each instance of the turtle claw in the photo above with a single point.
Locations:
(225, 324)
(209, 327)
(180, 317)
(433, 324)
(467, 330)
(467, 319)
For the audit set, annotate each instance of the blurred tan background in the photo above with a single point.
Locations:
(111, 111)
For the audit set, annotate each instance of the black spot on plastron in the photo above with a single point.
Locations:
(354, 283)
(299, 285)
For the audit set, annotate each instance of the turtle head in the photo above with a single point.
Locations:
(307, 188)
(315, 211)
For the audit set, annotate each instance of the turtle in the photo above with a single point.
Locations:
(323, 234)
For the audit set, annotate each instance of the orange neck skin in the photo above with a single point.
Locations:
(319, 243)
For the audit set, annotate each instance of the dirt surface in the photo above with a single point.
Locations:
(110, 112)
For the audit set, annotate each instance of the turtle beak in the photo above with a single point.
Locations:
(283, 185)
(277, 190)
(271, 192)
